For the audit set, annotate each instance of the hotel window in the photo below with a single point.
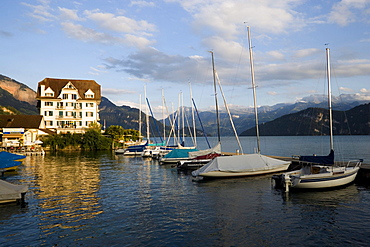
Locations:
(48, 113)
(49, 94)
(48, 103)
(65, 96)
(89, 114)
(74, 96)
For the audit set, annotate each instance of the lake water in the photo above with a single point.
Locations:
(101, 199)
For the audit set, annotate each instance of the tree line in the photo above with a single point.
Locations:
(92, 139)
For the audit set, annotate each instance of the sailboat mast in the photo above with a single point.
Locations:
(140, 138)
(254, 89)
(216, 102)
(147, 116)
(193, 117)
(329, 98)
(163, 116)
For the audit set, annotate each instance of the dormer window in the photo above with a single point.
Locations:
(69, 85)
(49, 92)
(89, 94)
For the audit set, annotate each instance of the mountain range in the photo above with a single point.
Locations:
(315, 121)
(17, 98)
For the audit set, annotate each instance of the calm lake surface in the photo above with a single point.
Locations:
(101, 199)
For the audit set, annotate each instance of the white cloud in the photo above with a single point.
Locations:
(348, 11)
(121, 23)
(272, 93)
(111, 91)
(364, 90)
(41, 12)
(68, 14)
(227, 17)
(307, 52)
(345, 89)
(85, 34)
(96, 71)
(142, 3)
(276, 55)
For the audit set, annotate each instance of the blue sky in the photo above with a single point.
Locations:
(163, 46)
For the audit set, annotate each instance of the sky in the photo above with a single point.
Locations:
(161, 49)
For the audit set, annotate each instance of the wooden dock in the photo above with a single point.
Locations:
(36, 153)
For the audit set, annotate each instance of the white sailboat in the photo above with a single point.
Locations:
(320, 172)
(243, 165)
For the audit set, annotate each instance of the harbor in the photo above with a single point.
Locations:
(89, 198)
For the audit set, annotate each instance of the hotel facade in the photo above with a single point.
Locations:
(68, 105)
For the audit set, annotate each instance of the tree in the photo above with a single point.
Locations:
(95, 126)
(93, 140)
(115, 131)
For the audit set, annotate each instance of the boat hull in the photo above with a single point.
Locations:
(325, 181)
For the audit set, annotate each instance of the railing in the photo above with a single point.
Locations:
(354, 163)
(68, 117)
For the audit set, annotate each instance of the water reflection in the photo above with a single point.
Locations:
(101, 199)
(66, 187)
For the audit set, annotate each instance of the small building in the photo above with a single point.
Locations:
(21, 130)
(68, 105)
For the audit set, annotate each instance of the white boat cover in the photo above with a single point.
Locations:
(215, 149)
(10, 191)
(240, 163)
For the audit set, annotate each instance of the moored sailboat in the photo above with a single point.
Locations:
(320, 172)
(243, 165)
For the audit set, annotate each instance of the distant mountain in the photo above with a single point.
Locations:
(315, 121)
(16, 98)
(127, 117)
(19, 90)
(10, 105)
(244, 120)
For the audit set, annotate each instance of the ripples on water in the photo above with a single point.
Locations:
(95, 199)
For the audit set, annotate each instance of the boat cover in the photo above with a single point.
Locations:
(158, 144)
(137, 148)
(240, 163)
(215, 149)
(10, 191)
(10, 156)
(179, 153)
(327, 160)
